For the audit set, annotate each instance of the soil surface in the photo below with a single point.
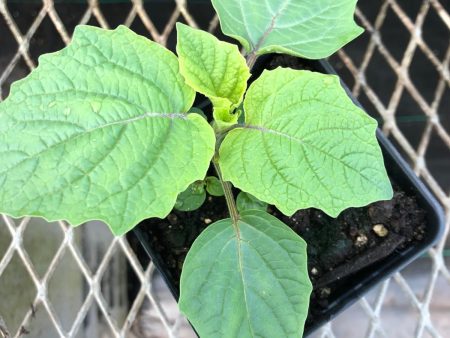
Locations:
(288, 61)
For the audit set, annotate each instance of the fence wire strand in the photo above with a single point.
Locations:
(432, 113)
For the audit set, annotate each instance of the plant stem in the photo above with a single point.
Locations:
(228, 194)
(251, 59)
(221, 135)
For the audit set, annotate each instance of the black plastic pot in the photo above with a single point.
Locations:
(365, 279)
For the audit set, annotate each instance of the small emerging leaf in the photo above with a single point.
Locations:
(98, 131)
(213, 68)
(305, 144)
(192, 198)
(308, 28)
(246, 280)
(245, 201)
(213, 186)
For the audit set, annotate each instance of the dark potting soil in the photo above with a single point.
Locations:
(337, 248)
(288, 61)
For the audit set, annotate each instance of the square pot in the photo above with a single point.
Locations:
(349, 288)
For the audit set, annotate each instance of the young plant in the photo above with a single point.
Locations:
(103, 130)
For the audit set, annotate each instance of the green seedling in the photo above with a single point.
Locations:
(104, 130)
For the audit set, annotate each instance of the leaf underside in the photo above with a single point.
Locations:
(307, 28)
(305, 144)
(98, 131)
(248, 280)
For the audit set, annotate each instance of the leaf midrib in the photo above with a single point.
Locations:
(308, 144)
(106, 125)
(268, 30)
(241, 272)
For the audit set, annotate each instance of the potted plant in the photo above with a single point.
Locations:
(414, 221)
(104, 129)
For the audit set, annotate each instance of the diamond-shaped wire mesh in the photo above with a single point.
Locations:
(55, 265)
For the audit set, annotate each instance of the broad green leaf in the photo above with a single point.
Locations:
(213, 68)
(192, 198)
(246, 201)
(99, 131)
(213, 186)
(313, 29)
(246, 280)
(305, 144)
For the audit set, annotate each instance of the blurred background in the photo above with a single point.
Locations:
(58, 281)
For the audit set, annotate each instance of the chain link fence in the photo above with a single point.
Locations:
(74, 282)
